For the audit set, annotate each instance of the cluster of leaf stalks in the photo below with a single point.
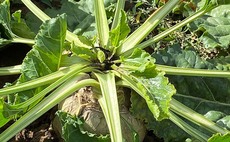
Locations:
(116, 58)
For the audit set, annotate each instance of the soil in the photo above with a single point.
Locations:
(39, 131)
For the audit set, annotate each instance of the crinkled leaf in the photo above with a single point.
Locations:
(72, 130)
(201, 94)
(140, 63)
(156, 89)
(175, 56)
(220, 138)
(189, 59)
(216, 27)
(212, 89)
(220, 63)
(120, 32)
(159, 92)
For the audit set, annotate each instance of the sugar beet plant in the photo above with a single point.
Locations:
(61, 62)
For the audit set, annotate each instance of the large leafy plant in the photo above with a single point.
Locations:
(113, 58)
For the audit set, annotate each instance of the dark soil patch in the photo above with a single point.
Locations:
(9, 56)
(39, 131)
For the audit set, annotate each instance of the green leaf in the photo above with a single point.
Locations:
(72, 129)
(80, 18)
(159, 92)
(215, 27)
(5, 32)
(175, 56)
(33, 22)
(156, 92)
(5, 14)
(101, 56)
(84, 53)
(67, 60)
(220, 138)
(140, 63)
(3, 118)
(19, 27)
(120, 32)
(189, 59)
(13, 29)
(86, 27)
(45, 57)
(77, 13)
(220, 63)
